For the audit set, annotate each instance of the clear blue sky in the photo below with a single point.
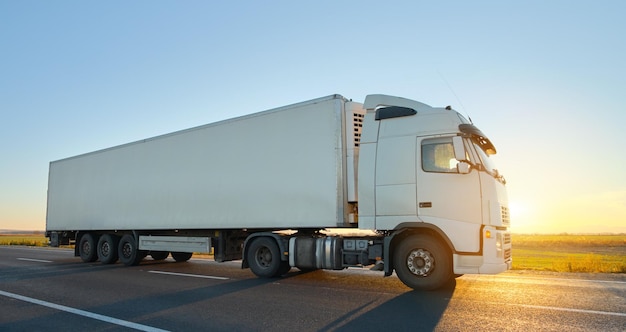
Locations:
(546, 80)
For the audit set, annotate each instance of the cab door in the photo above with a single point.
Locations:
(447, 197)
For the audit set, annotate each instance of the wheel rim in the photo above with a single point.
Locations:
(86, 248)
(105, 249)
(127, 250)
(264, 257)
(420, 262)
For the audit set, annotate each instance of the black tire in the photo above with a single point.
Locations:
(128, 251)
(181, 257)
(284, 268)
(264, 258)
(107, 248)
(159, 255)
(422, 262)
(87, 248)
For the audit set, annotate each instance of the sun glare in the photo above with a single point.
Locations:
(517, 209)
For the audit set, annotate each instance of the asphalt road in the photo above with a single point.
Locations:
(49, 289)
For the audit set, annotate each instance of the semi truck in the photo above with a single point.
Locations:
(391, 184)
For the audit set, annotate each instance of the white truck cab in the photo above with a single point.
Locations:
(429, 168)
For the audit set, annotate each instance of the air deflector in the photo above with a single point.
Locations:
(394, 112)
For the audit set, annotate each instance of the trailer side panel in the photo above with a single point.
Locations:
(281, 168)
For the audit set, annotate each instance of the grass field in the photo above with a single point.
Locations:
(38, 240)
(559, 253)
(570, 253)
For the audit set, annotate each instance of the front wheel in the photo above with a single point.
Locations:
(422, 262)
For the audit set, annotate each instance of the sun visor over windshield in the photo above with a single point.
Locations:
(478, 137)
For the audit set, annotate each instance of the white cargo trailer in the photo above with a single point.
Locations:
(418, 178)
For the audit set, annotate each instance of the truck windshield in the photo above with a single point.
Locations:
(488, 163)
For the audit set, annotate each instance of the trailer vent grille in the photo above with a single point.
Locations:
(357, 120)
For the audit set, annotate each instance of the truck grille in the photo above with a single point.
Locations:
(507, 238)
(506, 217)
(507, 254)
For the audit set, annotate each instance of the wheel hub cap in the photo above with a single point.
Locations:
(264, 257)
(420, 262)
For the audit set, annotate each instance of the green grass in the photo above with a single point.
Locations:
(570, 253)
(532, 259)
(36, 240)
(567, 240)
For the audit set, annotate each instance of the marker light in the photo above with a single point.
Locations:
(488, 234)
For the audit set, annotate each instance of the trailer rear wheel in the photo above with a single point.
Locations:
(107, 249)
(264, 258)
(128, 251)
(180, 257)
(422, 262)
(87, 248)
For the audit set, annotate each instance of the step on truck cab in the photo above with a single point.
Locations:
(324, 184)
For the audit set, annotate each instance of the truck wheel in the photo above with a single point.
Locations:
(422, 262)
(284, 268)
(159, 255)
(264, 258)
(87, 248)
(128, 251)
(107, 249)
(181, 257)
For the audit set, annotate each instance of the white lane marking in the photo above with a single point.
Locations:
(188, 275)
(583, 311)
(34, 260)
(83, 313)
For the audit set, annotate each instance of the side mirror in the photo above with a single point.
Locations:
(463, 167)
(459, 149)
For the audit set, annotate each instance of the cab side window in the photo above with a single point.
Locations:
(438, 156)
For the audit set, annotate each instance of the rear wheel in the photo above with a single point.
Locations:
(107, 249)
(128, 251)
(181, 256)
(159, 255)
(87, 248)
(264, 258)
(284, 268)
(422, 262)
